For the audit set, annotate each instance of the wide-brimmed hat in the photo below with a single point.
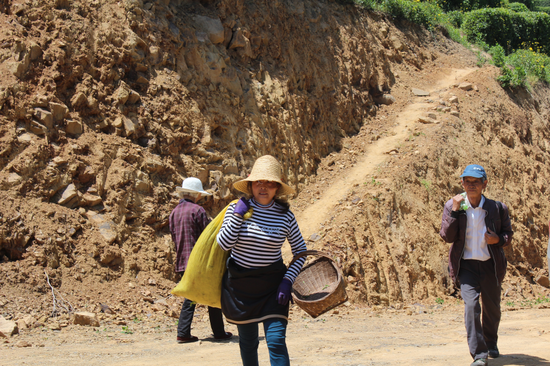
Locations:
(265, 168)
(192, 185)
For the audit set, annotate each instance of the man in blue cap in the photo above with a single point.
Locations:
(478, 228)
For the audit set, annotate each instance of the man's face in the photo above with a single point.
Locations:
(473, 186)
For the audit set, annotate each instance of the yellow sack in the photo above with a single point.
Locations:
(202, 279)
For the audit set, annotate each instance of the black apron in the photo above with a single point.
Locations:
(250, 295)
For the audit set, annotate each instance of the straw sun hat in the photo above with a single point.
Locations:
(265, 168)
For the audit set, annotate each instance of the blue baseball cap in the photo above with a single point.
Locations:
(475, 171)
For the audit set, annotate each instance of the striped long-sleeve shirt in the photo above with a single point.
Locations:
(257, 242)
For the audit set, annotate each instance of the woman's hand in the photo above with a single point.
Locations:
(241, 207)
(283, 292)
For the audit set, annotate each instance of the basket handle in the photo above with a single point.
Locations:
(310, 252)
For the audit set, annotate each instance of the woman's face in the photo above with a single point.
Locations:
(264, 191)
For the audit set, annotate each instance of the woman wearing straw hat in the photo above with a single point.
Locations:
(256, 287)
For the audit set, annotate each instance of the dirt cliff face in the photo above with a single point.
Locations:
(108, 105)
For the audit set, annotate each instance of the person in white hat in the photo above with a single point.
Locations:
(187, 222)
(256, 286)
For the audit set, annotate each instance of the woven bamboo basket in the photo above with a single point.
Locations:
(320, 286)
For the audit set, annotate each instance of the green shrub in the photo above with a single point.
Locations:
(534, 63)
(423, 13)
(525, 65)
(512, 77)
(517, 7)
(509, 29)
(467, 5)
(498, 55)
(455, 18)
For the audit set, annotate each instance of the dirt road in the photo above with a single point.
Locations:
(417, 335)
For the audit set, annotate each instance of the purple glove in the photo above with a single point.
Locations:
(283, 292)
(241, 207)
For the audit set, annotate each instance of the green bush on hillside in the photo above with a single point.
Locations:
(423, 13)
(455, 18)
(509, 29)
(498, 55)
(467, 5)
(517, 7)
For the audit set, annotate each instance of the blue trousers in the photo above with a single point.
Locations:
(275, 336)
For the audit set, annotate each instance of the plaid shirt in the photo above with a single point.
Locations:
(187, 222)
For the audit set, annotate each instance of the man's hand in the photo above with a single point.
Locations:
(456, 201)
(491, 237)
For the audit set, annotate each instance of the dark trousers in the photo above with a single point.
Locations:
(478, 281)
(186, 318)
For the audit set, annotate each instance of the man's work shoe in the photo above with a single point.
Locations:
(227, 335)
(493, 352)
(187, 339)
(480, 362)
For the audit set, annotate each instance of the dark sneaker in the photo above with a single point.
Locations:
(480, 362)
(227, 335)
(187, 339)
(493, 352)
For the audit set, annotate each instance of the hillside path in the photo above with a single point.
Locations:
(310, 218)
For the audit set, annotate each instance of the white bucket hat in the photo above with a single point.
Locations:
(192, 185)
(265, 168)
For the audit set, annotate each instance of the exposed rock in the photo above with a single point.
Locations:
(89, 199)
(54, 325)
(86, 318)
(453, 99)
(543, 280)
(7, 327)
(238, 40)
(466, 86)
(45, 117)
(386, 99)
(70, 194)
(23, 344)
(79, 100)
(212, 27)
(37, 128)
(420, 92)
(427, 120)
(74, 127)
(108, 231)
(454, 113)
(59, 111)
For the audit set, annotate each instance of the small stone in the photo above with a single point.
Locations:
(420, 92)
(23, 344)
(69, 194)
(466, 86)
(314, 237)
(86, 318)
(74, 127)
(453, 99)
(45, 117)
(543, 280)
(385, 99)
(7, 327)
(37, 128)
(79, 100)
(54, 326)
